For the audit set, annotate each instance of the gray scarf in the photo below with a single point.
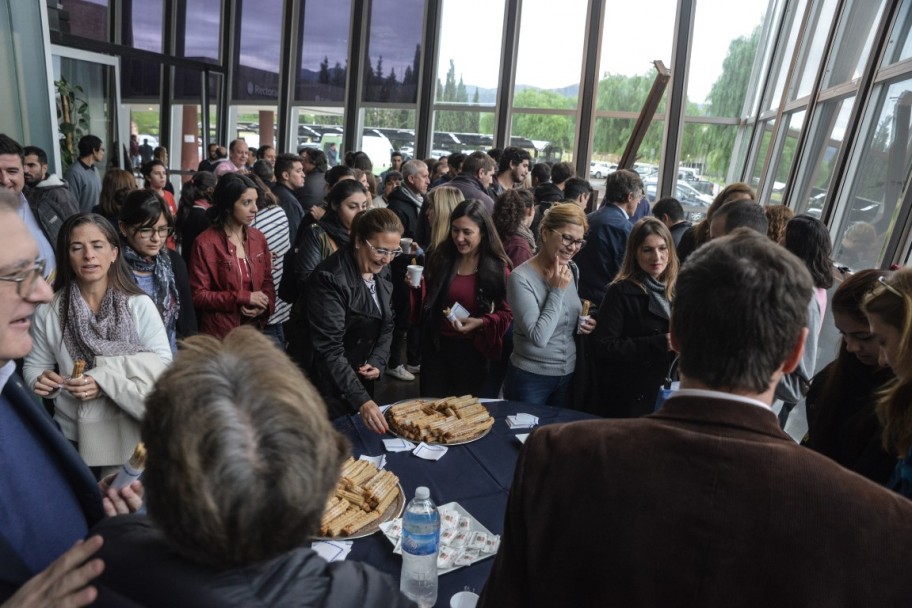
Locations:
(658, 303)
(110, 332)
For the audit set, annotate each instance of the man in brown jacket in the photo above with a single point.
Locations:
(707, 502)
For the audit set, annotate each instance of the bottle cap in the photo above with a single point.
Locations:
(422, 493)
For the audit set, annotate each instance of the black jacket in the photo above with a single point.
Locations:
(548, 193)
(142, 569)
(314, 190)
(52, 203)
(632, 352)
(186, 316)
(405, 208)
(347, 330)
(291, 206)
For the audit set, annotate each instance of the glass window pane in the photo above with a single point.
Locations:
(86, 18)
(324, 51)
(784, 59)
(761, 143)
(140, 79)
(461, 131)
(721, 60)
(879, 172)
(98, 116)
(899, 46)
(142, 24)
(626, 71)
(857, 27)
(393, 51)
(811, 54)
(199, 26)
(612, 134)
(374, 141)
(469, 73)
(785, 156)
(321, 128)
(825, 138)
(707, 148)
(538, 68)
(256, 125)
(257, 76)
(547, 137)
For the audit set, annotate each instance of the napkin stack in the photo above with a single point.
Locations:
(522, 421)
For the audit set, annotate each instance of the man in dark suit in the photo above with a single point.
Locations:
(48, 497)
(609, 228)
(707, 502)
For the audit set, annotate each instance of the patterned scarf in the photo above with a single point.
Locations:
(111, 332)
(166, 298)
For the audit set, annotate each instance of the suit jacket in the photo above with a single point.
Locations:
(705, 503)
(13, 570)
(600, 261)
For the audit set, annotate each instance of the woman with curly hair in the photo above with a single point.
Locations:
(514, 211)
(777, 216)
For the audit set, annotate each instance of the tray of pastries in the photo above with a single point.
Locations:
(448, 421)
(364, 497)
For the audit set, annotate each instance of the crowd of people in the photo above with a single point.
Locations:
(198, 323)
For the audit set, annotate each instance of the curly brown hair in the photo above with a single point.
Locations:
(510, 209)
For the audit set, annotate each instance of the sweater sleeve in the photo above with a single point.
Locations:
(532, 320)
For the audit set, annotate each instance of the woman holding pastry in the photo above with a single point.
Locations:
(231, 267)
(105, 329)
(631, 341)
(547, 312)
(468, 274)
(351, 319)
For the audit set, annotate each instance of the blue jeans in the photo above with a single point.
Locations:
(521, 385)
(276, 332)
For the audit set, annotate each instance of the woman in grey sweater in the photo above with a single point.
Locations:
(546, 308)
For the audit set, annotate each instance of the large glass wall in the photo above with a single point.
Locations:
(324, 51)
(199, 27)
(393, 53)
(142, 24)
(257, 76)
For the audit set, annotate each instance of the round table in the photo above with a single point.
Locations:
(477, 475)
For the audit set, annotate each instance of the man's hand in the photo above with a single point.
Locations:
(63, 584)
(128, 499)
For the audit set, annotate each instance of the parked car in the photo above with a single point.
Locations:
(599, 169)
(694, 202)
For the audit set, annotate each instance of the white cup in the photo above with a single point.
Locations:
(414, 275)
(579, 322)
(464, 599)
(406, 245)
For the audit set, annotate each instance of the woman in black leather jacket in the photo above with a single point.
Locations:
(351, 319)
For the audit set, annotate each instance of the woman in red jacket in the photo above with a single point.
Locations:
(231, 268)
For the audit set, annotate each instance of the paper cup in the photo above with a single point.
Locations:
(406, 245)
(414, 275)
(464, 599)
(579, 322)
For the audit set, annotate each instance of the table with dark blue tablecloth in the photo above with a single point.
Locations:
(477, 475)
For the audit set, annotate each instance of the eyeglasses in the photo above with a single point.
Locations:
(25, 278)
(882, 285)
(391, 253)
(163, 232)
(569, 241)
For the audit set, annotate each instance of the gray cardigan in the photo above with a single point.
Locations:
(544, 323)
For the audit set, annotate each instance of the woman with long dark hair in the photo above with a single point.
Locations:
(349, 308)
(191, 220)
(631, 338)
(842, 421)
(145, 224)
(469, 269)
(101, 317)
(231, 267)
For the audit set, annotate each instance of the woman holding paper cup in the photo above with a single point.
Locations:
(467, 274)
(547, 312)
(351, 320)
(631, 341)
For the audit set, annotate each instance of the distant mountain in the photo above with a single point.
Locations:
(489, 96)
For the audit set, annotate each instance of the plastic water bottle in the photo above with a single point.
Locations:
(420, 542)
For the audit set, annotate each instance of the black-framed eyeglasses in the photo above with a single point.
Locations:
(163, 232)
(881, 285)
(569, 241)
(25, 278)
(382, 252)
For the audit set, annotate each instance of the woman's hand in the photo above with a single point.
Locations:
(373, 417)
(251, 311)
(587, 326)
(82, 388)
(259, 300)
(368, 372)
(48, 382)
(128, 499)
(64, 582)
(468, 325)
(558, 275)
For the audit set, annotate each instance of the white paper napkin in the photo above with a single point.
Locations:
(522, 437)
(377, 461)
(398, 445)
(522, 421)
(429, 452)
(332, 550)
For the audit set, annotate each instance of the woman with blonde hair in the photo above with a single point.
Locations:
(546, 307)
(632, 340)
(699, 234)
(889, 310)
(440, 204)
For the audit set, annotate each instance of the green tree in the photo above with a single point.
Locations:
(324, 70)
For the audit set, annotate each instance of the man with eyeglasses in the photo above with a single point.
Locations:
(42, 224)
(406, 201)
(82, 176)
(609, 228)
(48, 497)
